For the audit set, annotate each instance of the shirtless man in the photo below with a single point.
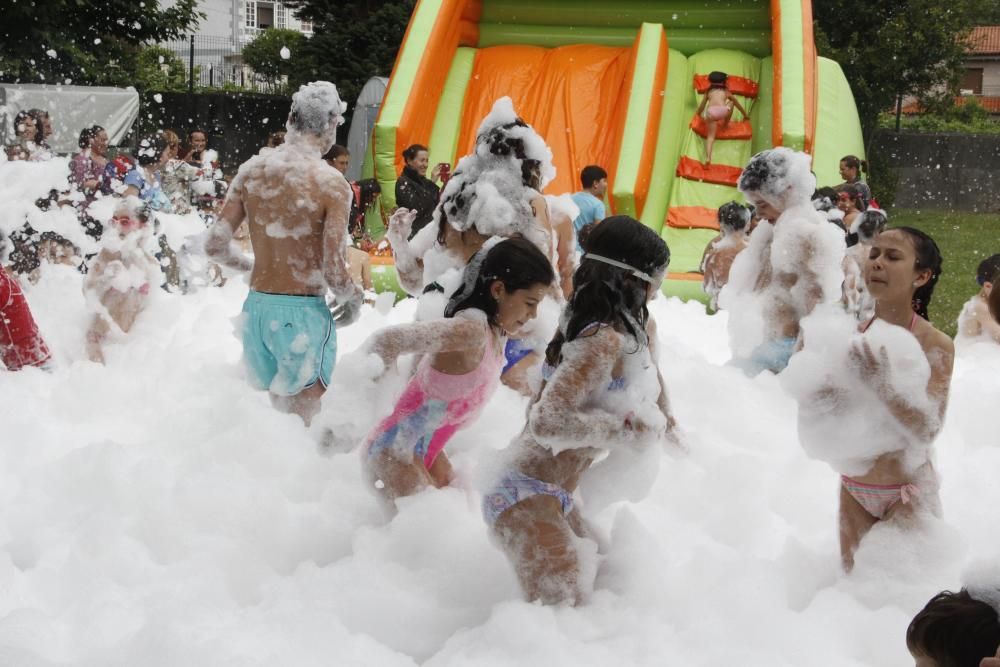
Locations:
(297, 208)
(790, 266)
(723, 249)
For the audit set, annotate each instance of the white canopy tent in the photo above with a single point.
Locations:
(71, 108)
(363, 122)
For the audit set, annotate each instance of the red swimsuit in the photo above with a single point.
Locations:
(20, 343)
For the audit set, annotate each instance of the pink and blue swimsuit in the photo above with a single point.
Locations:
(435, 405)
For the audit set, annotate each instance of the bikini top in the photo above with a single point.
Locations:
(468, 386)
(616, 384)
(913, 323)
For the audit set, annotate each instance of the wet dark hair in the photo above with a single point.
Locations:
(411, 151)
(335, 152)
(87, 135)
(157, 142)
(21, 117)
(857, 196)
(854, 162)
(38, 115)
(717, 79)
(608, 294)
(954, 630)
(590, 175)
(988, 270)
(928, 257)
(871, 223)
(515, 262)
(733, 216)
(369, 189)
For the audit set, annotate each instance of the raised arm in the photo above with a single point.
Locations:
(443, 335)
(561, 419)
(409, 265)
(219, 244)
(565, 245)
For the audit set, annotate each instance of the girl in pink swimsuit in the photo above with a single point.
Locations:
(462, 359)
(902, 268)
(118, 281)
(717, 107)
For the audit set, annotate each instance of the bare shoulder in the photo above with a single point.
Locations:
(603, 342)
(937, 345)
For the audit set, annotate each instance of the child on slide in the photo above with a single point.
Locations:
(118, 282)
(602, 391)
(717, 107)
(462, 357)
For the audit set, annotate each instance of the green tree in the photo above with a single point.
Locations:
(264, 53)
(159, 69)
(84, 42)
(896, 47)
(353, 41)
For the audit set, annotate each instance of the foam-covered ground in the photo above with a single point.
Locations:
(157, 511)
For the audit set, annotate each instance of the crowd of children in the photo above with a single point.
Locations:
(490, 256)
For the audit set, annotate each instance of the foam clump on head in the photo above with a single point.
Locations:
(869, 224)
(487, 190)
(781, 176)
(316, 109)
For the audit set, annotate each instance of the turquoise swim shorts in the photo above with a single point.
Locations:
(289, 342)
(772, 355)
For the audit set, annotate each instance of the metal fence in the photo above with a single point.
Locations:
(217, 62)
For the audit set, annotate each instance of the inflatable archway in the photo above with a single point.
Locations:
(617, 84)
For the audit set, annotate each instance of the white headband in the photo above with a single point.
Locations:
(641, 275)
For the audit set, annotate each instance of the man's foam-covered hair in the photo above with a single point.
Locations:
(781, 176)
(734, 216)
(316, 107)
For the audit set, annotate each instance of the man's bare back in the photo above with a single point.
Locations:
(297, 208)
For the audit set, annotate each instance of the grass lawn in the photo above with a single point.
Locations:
(965, 240)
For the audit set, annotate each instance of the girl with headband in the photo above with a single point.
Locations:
(602, 393)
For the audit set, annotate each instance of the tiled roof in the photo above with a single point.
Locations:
(985, 40)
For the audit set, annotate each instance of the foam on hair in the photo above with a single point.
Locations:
(781, 176)
(316, 108)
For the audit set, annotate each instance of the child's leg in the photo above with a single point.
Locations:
(441, 471)
(712, 128)
(95, 337)
(305, 404)
(539, 542)
(394, 478)
(855, 522)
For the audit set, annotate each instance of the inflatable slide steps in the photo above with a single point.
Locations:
(699, 189)
(617, 84)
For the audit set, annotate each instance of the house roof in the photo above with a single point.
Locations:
(985, 40)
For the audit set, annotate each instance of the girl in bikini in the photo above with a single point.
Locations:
(462, 357)
(717, 107)
(902, 268)
(602, 392)
(118, 282)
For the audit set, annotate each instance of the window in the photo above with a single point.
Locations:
(265, 16)
(280, 16)
(250, 20)
(972, 81)
(307, 27)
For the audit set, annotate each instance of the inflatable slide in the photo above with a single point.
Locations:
(617, 83)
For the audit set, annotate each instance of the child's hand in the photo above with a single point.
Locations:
(401, 223)
(871, 367)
